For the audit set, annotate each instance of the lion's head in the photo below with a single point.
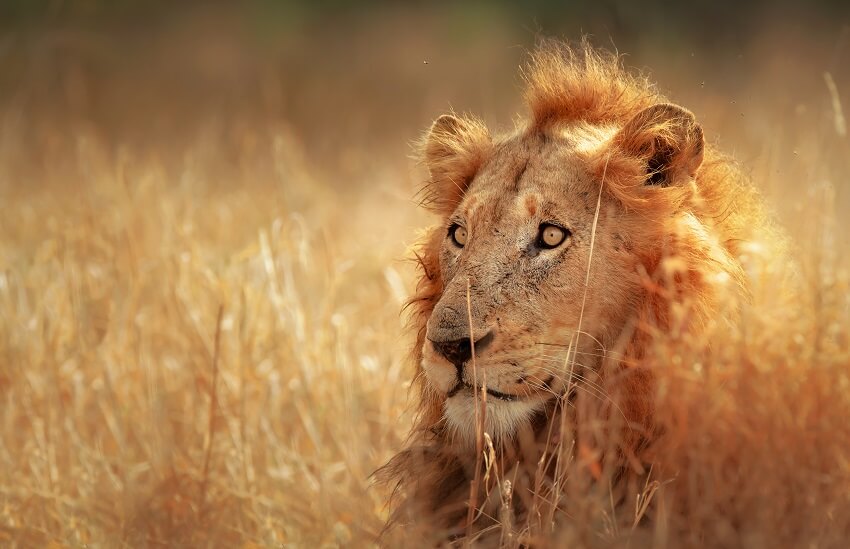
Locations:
(533, 254)
(561, 248)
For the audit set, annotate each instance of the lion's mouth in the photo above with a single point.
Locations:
(460, 385)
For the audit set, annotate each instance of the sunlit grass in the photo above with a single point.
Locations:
(110, 292)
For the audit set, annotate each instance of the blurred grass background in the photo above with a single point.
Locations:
(160, 162)
(140, 74)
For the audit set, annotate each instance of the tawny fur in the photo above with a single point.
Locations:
(698, 241)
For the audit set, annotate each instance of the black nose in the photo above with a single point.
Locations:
(459, 351)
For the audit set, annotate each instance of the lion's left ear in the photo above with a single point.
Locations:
(453, 150)
(669, 141)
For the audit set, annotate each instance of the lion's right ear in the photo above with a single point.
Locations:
(453, 151)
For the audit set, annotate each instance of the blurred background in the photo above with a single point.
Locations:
(352, 83)
(204, 210)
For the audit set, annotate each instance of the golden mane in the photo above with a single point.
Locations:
(568, 85)
(583, 84)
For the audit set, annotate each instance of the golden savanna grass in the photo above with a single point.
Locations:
(201, 342)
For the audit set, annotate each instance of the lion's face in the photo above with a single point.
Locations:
(519, 281)
(514, 265)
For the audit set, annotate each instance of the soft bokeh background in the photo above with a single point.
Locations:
(205, 210)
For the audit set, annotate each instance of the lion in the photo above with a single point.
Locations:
(563, 249)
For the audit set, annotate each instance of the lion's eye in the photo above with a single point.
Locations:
(458, 235)
(551, 236)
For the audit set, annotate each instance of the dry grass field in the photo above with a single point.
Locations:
(202, 273)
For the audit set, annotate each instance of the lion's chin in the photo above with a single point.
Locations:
(502, 419)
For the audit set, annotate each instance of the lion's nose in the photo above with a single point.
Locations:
(458, 351)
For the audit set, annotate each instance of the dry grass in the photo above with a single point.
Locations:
(202, 346)
(133, 415)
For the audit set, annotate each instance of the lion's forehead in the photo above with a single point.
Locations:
(527, 179)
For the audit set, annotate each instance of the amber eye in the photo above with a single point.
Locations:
(458, 235)
(551, 236)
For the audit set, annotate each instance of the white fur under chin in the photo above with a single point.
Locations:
(502, 420)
